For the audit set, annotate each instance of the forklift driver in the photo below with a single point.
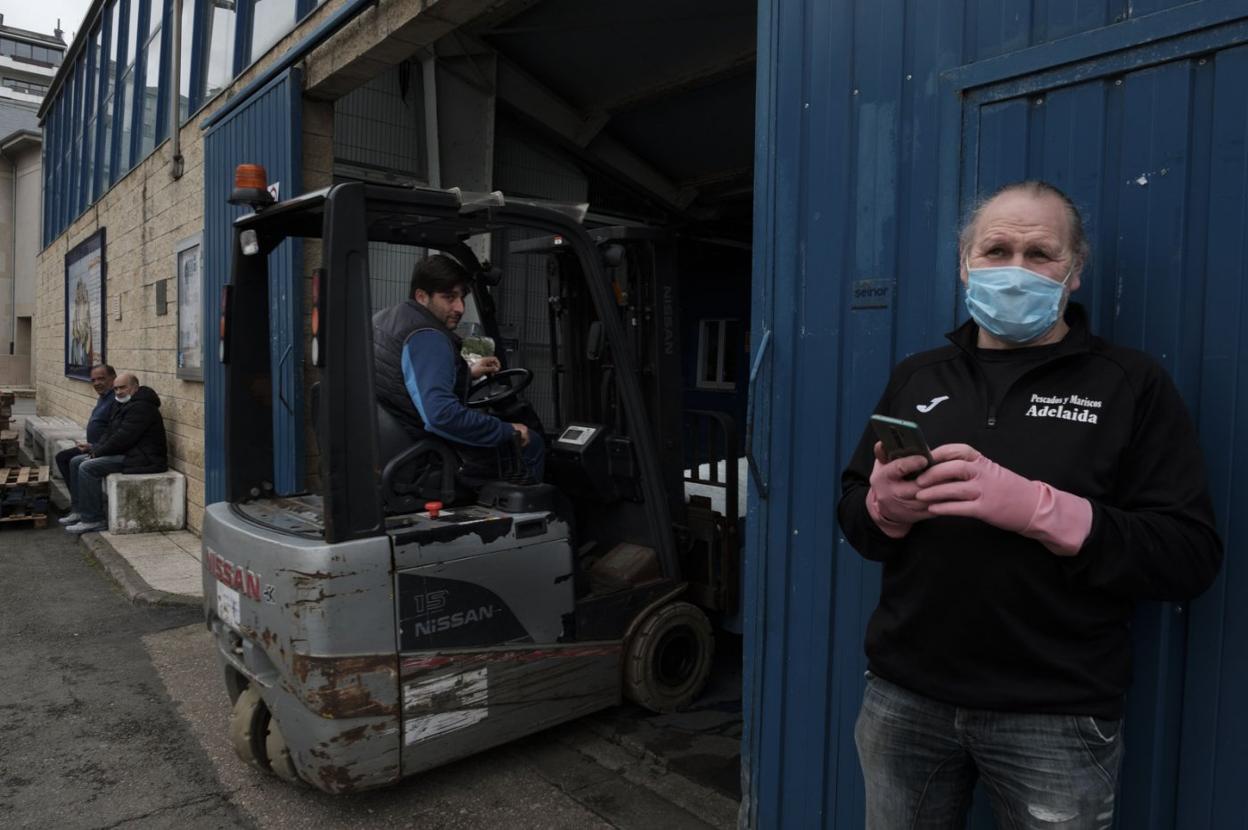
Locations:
(423, 381)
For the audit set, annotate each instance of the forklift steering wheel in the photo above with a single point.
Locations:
(497, 388)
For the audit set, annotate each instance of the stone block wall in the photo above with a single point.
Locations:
(144, 215)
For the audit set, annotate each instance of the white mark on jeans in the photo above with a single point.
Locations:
(1050, 814)
(1099, 733)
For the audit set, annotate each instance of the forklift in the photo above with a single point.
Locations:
(401, 614)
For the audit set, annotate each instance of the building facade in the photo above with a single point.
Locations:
(439, 93)
(28, 62)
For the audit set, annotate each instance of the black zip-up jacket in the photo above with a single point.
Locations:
(137, 431)
(979, 617)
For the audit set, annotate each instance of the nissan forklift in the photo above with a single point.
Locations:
(401, 614)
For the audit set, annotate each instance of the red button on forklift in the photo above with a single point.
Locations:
(400, 614)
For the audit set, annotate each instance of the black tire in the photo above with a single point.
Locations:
(668, 660)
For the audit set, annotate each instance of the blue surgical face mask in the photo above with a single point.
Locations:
(1012, 303)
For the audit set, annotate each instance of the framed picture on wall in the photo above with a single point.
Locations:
(85, 273)
(190, 332)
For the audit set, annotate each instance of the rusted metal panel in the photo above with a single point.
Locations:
(458, 703)
(314, 627)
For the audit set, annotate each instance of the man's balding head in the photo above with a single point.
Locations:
(1073, 234)
(126, 384)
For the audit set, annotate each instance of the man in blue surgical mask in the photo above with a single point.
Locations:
(1065, 485)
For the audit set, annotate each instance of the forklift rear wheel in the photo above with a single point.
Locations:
(669, 658)
(249, 726)
(278, 753)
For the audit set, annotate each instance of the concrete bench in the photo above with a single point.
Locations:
(146, 503)
(53, 439)
(35, 427)
(58, 445)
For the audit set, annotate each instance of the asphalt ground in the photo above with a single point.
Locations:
(89, 738)
(116, 716)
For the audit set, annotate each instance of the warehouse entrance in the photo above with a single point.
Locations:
(643, 112)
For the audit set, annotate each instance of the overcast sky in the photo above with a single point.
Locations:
(40, 15)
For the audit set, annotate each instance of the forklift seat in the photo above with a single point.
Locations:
(409, 478)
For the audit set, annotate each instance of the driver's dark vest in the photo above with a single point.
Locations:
(392, 327)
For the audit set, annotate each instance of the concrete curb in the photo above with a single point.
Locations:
(124, 574)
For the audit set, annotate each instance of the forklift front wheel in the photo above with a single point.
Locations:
(249, 726)
(669, 658)
(278, 753)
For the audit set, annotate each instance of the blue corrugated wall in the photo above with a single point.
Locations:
(879, 121)
(266, 130)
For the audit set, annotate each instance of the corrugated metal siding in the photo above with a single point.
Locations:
(379, 135)
(380, 126)
(266, 130)
(878, 125)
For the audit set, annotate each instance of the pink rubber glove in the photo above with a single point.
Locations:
(965, 483)
(890, 501)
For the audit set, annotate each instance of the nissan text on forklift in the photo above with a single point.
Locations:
(401, 615)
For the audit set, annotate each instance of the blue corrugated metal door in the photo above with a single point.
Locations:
(1150, 144)
(265, 130)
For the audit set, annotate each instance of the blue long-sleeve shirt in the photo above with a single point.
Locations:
(98, 421)
(429, 374)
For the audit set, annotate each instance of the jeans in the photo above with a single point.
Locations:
(88, 491)
(62, 463)
(921, 759)
(500, 462)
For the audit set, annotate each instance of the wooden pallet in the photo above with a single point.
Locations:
(24, 495)
(35, 478)
(37, 520)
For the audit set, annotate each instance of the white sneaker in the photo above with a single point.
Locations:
(86, 527)
(72, 518)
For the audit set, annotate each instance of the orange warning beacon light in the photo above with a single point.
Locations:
(251, 187)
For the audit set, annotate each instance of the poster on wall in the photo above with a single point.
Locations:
(84, 306)
(190, 339)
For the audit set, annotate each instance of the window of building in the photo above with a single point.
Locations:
(719, 346)
(31, 52)
(153, 124)
(108, 88)
(186, 54)
(218, 41)
(270, 21)
(25, 87)
(96, 70)
(78, 83)
(126, 92)
(112, 108)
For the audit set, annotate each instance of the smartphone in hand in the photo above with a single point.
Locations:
(900, 438)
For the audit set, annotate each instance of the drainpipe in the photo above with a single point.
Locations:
(13, 262)
(175, 90)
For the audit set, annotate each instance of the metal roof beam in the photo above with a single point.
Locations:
(500, 14)
(724, 66)
(522, 92)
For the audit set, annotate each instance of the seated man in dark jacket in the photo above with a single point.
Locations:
(423, 380)
(133, 443)
(102, 378)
